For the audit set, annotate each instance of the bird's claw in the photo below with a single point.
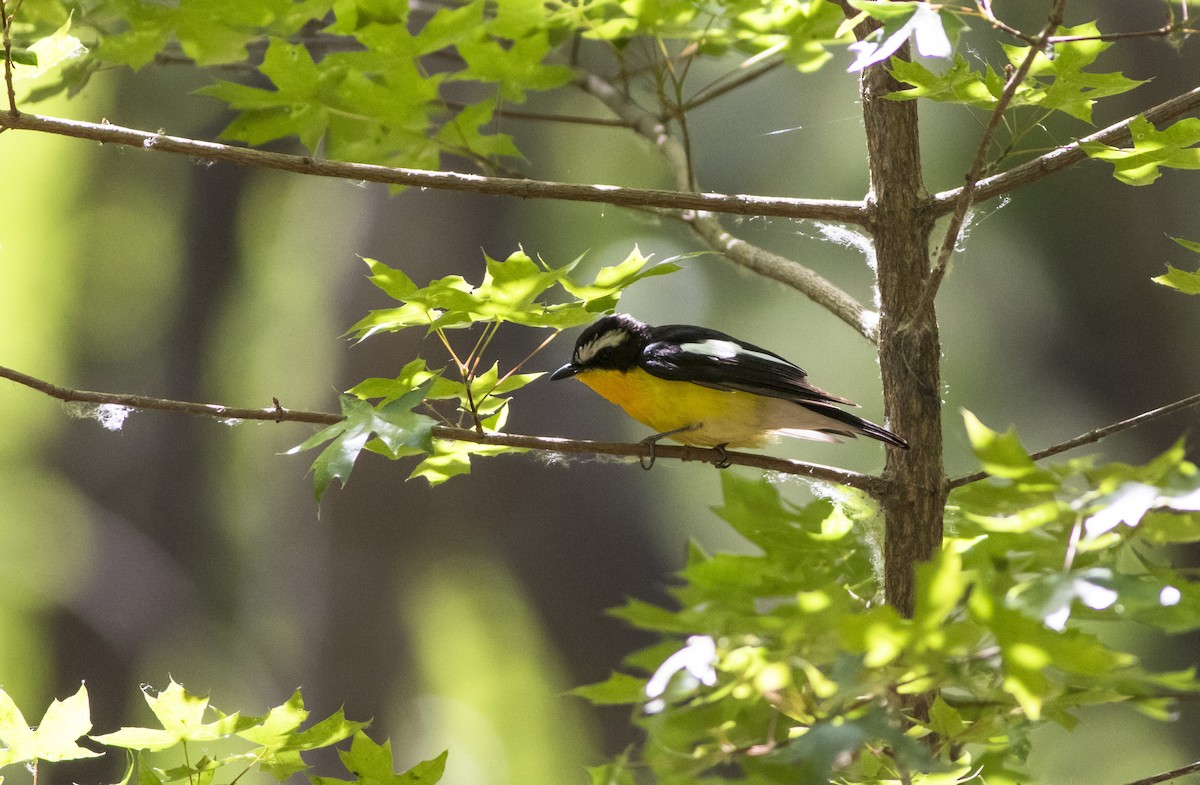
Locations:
(651, 442)
(722, 461)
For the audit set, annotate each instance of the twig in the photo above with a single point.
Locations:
(726, 83)
(819, 209)
(6, 20)
(518, 114)
(1067, 155)
(1093, 436)
(276, 413)
(985, 12)
(1166, 776)
(966, 194)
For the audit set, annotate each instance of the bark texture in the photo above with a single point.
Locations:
(901, 222)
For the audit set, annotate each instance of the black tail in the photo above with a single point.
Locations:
(860, 426)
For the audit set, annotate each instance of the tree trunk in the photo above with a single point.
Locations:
(909, 349)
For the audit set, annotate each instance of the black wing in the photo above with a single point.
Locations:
(684, 353)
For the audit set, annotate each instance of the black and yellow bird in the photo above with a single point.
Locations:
(704, 388)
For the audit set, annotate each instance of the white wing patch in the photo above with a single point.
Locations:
(727, 350)
(602, 341)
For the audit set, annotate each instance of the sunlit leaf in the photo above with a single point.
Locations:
(900, 21)
(181, 715)
(1188, 283)
(1000, 454)
(372, 764)
(1174, 147)
(54, 739)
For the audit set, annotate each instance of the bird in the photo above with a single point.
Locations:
(704, 388)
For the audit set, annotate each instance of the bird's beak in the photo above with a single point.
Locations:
(565, 372)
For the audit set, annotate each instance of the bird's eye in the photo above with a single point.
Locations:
(601, 346)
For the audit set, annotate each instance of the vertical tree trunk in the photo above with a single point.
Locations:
(909, 348)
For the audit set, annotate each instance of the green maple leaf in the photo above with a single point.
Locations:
(181, 715)
(372, 764)
(1174, 147)
(399, 429)
(1061, 83)
(54, 738)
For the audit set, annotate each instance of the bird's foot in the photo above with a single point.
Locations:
(652, 441)
(722, 456)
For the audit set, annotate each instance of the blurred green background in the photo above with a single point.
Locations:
(456, 617)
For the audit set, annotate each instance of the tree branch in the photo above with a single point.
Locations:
(1067, 155)
(277, 413)
(806, 281)
(1093, 436)
(1166, 776)
(820, 209)
(966, 194)
(984, 10)
(812, 284)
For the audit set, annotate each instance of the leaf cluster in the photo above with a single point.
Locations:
(374, 81)
(516, 290)
(1058, 81)
(795, 670)
(196, 743)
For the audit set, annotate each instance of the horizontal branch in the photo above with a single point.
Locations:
(1067, 155)
(107, 133)
(278, 413)
(1167, 776)
(1093, 436)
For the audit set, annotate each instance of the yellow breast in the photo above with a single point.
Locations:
(714, 416)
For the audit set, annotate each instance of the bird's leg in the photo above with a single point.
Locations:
(651, 441)
(723, 454)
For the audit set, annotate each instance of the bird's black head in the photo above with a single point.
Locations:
(612, 343)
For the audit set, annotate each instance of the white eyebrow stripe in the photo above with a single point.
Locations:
(602, 341)
(727, 350)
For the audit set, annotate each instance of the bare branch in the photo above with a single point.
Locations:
(277, 413)
(966, 194)
(803, 279)
(107, 133)
(808, 282)
(1094, 435)
(1167, 776)
(1067, 155)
